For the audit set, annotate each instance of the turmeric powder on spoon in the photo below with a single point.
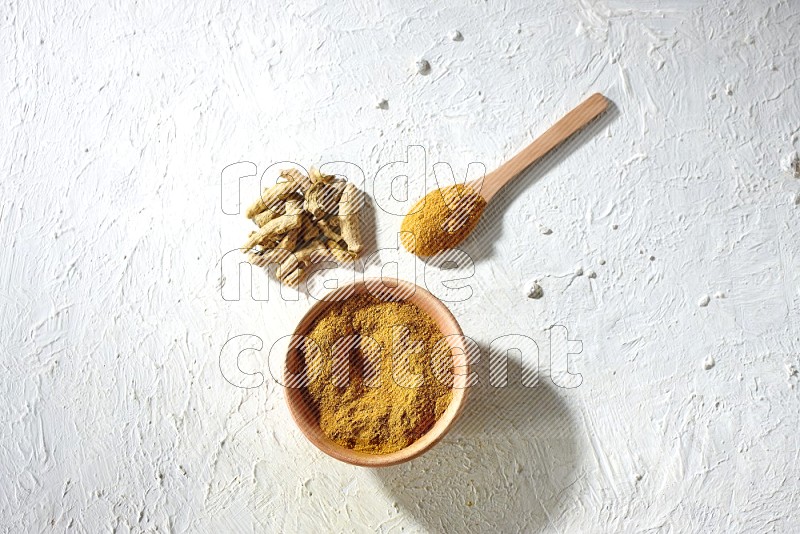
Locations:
(441, 220)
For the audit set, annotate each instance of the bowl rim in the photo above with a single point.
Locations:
(455, 336)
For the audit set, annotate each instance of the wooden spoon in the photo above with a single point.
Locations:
(444, 217)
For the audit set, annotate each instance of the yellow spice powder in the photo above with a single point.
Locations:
(441, 220)
(390, 416)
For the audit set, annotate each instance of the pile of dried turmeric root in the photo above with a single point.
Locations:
(304, 220)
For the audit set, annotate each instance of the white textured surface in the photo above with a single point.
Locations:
(119, 118)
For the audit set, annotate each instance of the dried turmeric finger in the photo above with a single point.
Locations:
(341, 254)
(311, 253)
(288, 265)
(294, 277)
(351, 233)
(297, 177)
(351, 200)
(270, 197)
(327, 231)
(275, 227)
(290, 240)
(265, 216)
(348, 218)
(294, 205)
(323, 199)
(266, 257)
(317, 177)
(278, 253)
(309, 230)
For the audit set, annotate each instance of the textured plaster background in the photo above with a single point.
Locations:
(118, 119)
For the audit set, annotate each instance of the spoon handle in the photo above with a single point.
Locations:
(570, 123)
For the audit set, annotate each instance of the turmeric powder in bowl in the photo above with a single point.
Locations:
(380, 386)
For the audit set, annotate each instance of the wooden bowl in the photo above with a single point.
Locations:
(305, 416)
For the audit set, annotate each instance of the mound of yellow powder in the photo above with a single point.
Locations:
(359, 415)
(441, 220)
